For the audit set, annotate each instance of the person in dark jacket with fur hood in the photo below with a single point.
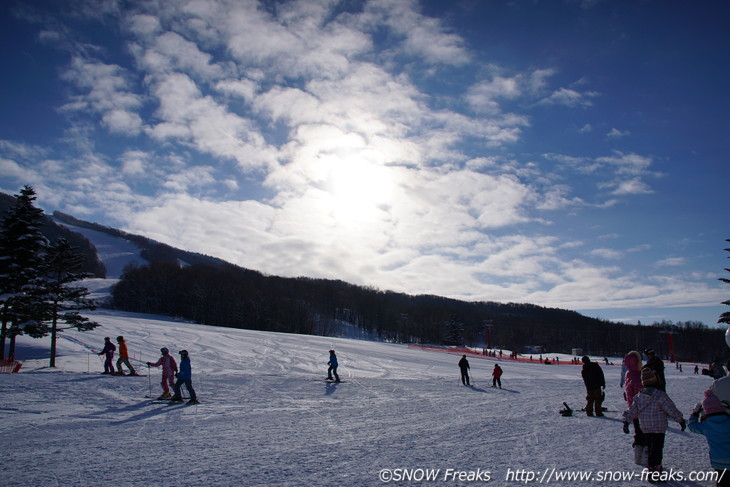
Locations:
(595, 382)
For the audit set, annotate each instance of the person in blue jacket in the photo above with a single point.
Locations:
(184, 376)
(332, 367)
(711, 419)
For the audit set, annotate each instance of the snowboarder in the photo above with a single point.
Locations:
(652, 406)
(184, 376)
(632, 381)
(332, 367)
(464, 366)
(108, 351)
(714, 423)
(169, 367)
(496, 374)
(657, 366)
(595, 382)
(124, 357)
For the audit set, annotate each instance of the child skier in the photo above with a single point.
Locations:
(632, 386)
(108, 351)
(185, 376)
(496, 376)
(653, 407)
(714, 423)
(123, 357)
(169, 367)
(332, 367)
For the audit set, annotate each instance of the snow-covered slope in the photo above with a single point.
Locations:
(266, 418)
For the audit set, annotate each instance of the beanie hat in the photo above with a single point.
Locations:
(721, 388)
(585, 359)
(711, 404)
(648, 378)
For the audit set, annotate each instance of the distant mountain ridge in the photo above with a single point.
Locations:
(150, 250)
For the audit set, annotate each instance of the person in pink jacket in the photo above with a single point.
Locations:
(632, 386)
(169, 368)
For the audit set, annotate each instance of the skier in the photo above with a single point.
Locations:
(464, 366)
(496, 374)
(184, 376)
(123, 357)
(714, 423)
(632, 362)
(657, 366)
(595, 382)
(652, 406)
(332, 367)
(169, 367)
(108, 350)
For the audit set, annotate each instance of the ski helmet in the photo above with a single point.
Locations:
(164, 351)
(183, 353)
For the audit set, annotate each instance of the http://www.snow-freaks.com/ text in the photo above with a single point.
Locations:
(544, 476)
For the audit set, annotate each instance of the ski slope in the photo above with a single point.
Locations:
(266, 417)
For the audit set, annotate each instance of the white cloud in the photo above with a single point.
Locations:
(570, 98)
(107, 92)
(615, 133)
(672, 262)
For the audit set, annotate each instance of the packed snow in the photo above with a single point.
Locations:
(267, 418)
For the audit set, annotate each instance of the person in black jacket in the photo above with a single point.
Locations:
(595, 382)
(464, 366)
(657, 366)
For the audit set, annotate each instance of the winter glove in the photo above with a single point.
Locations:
(683, 425)
(697, 410)
(626, 427)
(149, 364)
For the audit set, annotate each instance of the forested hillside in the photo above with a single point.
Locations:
(235, 297)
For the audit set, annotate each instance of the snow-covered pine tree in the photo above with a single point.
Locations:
(62, 300)
(22, 250)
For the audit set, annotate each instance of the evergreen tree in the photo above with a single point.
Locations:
(61, 300)
(454, 334)
(22, 248)
(725, 317)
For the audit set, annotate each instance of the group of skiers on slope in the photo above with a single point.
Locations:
(649, 408)
(464, 367)
(170, 370)
(108, 352)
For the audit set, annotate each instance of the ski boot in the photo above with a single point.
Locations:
(165, 395)
(193, 401)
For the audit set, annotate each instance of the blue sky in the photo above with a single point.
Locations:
(569, 154)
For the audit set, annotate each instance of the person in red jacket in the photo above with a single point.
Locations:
(496, 374)
(123, 357)
(169, 367)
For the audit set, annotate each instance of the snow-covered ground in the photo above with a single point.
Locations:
(266, 417)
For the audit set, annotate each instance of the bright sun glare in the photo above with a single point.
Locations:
(358, 188)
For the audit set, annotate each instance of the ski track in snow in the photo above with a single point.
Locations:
(267, 418)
